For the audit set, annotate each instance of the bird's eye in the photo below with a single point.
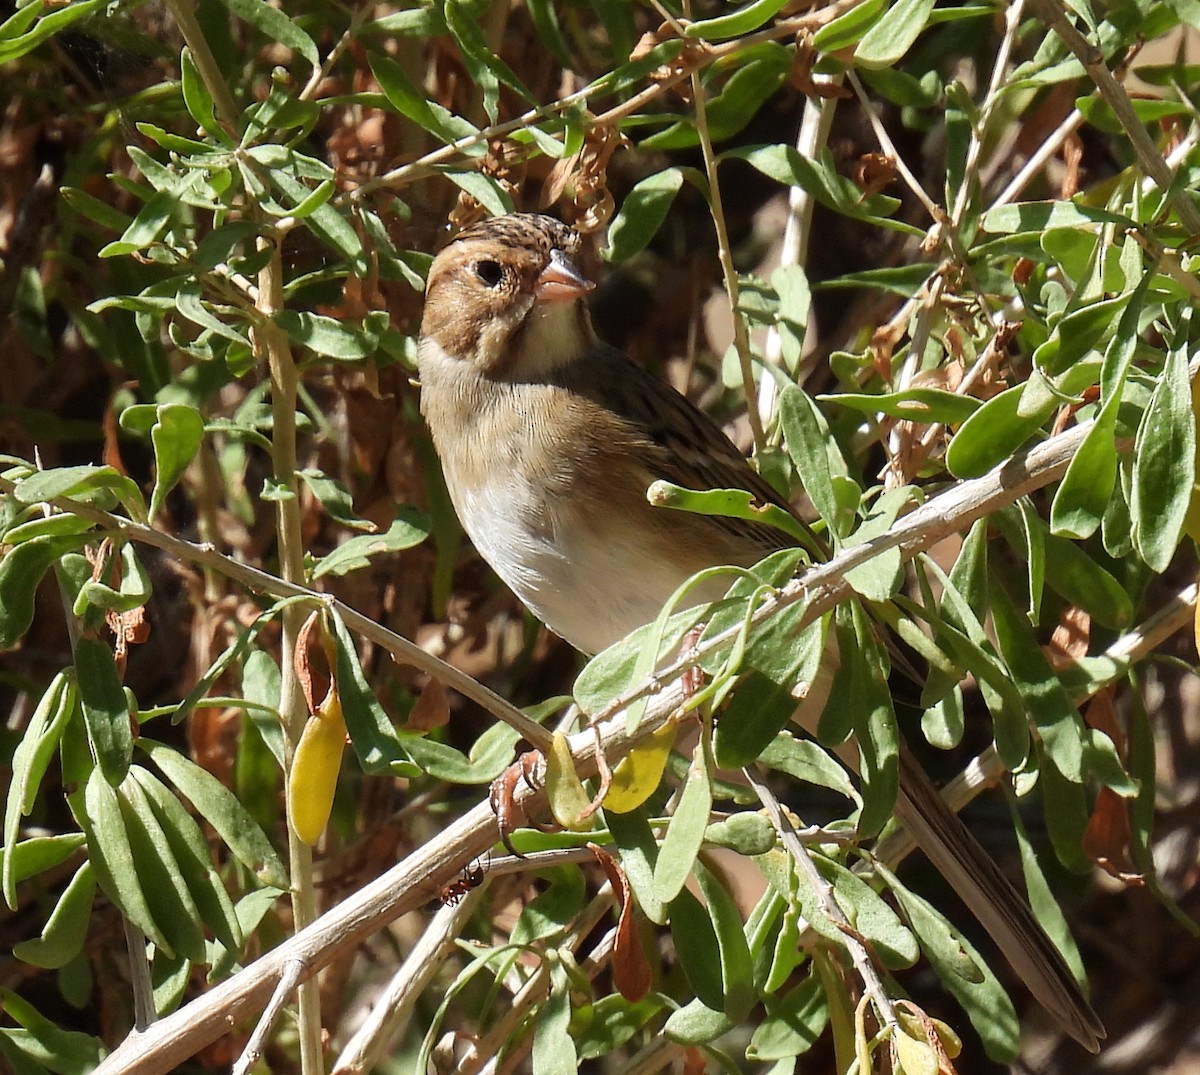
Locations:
(489, 272)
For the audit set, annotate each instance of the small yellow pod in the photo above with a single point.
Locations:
(315, 767)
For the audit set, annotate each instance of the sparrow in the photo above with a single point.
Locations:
(549, 439)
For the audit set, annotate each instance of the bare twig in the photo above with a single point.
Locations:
(284, 989)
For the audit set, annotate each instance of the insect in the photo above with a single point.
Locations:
(472, 877)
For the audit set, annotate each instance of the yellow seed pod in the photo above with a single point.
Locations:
(315, 767)
(639, 773)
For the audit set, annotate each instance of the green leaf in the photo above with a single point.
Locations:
(335, 498)
(86, 483)
(489, 756)
(411, 103)
(963, 972)
(849, 28)
(105, 708)
(97, 808)
(331, 337)
(809, 763)
(409, 528)
(821, 179)
(29, 763)
(163, 883)
(372, 735)
(146, 227)
(632, 834)
(685, 833)
(484, 65)
(1038, 217)
(1046, 699)
(23, 31)
(866, 912)
(65, 1052)
(176, 435)
(221, 809)
(21, 571)
(793, 1023)
(737, 967)
(553, 1044)
(736, 23)
(912, 404)
(190, 851)
(880, 577)
(642, 213)
(894, 34)
(276, 25)
(994, 432)
(695, 938)
(63, 935)
(1083, 495)
(94, 209)
(485, 189)
(814, 452)
(728, 503)
(1164, 464)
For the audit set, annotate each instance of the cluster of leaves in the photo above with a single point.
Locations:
(246, 274)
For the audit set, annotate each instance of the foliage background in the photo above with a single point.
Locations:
(134, 181)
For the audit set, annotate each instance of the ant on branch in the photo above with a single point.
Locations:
(472, 877)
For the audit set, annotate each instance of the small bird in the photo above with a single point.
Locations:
(549, 440)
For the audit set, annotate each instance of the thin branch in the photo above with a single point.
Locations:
(741, 338)
(284, 989)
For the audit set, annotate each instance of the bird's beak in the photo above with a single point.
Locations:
(560, 281)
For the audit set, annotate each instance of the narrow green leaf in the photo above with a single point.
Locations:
(632, 834)
(190, 851)
(105, 708)
(1057, 719)
(221, 809)
(98, 811)
(912, 404)
(29, 763)
(412, 104)
(65, 1052)
(21, 571)
(812, 449)
(553, 1044)
(894, 34)
(695, 940)
(1164, 464)
(409, 528)
(848, 28)
(963, 972)
(371, 732)
(329, 336)
(1082, 497)
(685, 833)
(737, 967)
(275, 25)
(162, 881)
(642, 214)
(63, 935)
